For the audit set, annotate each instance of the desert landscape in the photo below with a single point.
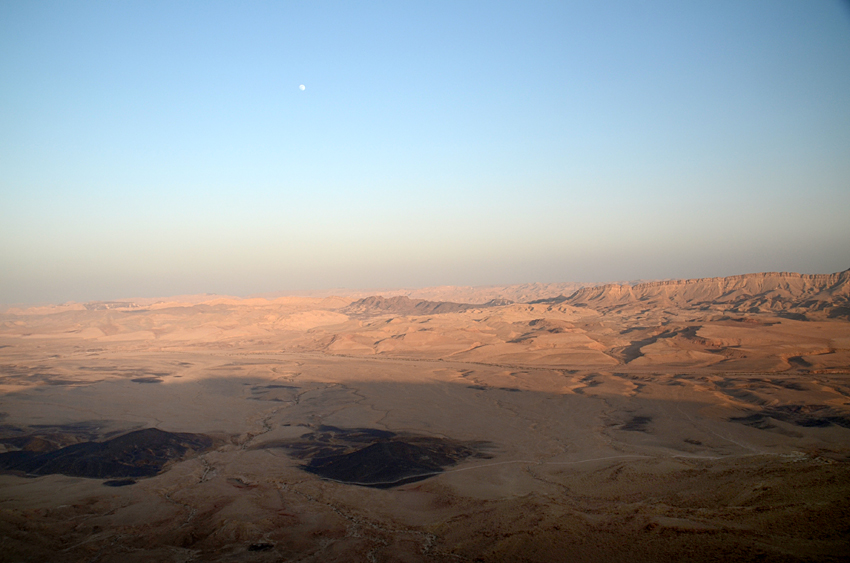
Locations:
(378, 282)
(702, 419)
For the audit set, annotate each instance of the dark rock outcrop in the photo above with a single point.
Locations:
(377, 458)
(142, 453)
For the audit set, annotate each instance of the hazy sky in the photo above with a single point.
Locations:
(158, 148)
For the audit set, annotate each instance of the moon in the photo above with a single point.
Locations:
(302, 87)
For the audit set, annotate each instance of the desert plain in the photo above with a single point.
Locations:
(699, 420)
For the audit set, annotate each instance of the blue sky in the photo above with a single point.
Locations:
(159, 148)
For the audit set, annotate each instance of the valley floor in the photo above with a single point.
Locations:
(311, 430)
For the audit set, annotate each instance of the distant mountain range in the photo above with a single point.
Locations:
(786, 294)
(518, 293)
(782, 293)
(777, 292)
(401, 305)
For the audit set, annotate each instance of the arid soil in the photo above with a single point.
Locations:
(698, 420)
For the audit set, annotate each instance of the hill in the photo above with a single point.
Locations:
(380, 305)
(781, 293)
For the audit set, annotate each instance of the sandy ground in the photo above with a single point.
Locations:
(640, 434)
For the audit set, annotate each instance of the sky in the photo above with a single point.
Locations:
(162, 148)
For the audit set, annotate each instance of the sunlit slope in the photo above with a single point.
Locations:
(759, 322)
(764, 292)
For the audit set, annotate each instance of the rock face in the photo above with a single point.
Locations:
(751, 293)
(789, 294)
(142, 453)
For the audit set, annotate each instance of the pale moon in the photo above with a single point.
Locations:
(302, 87)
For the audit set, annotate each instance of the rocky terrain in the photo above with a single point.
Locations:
(692, 419)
